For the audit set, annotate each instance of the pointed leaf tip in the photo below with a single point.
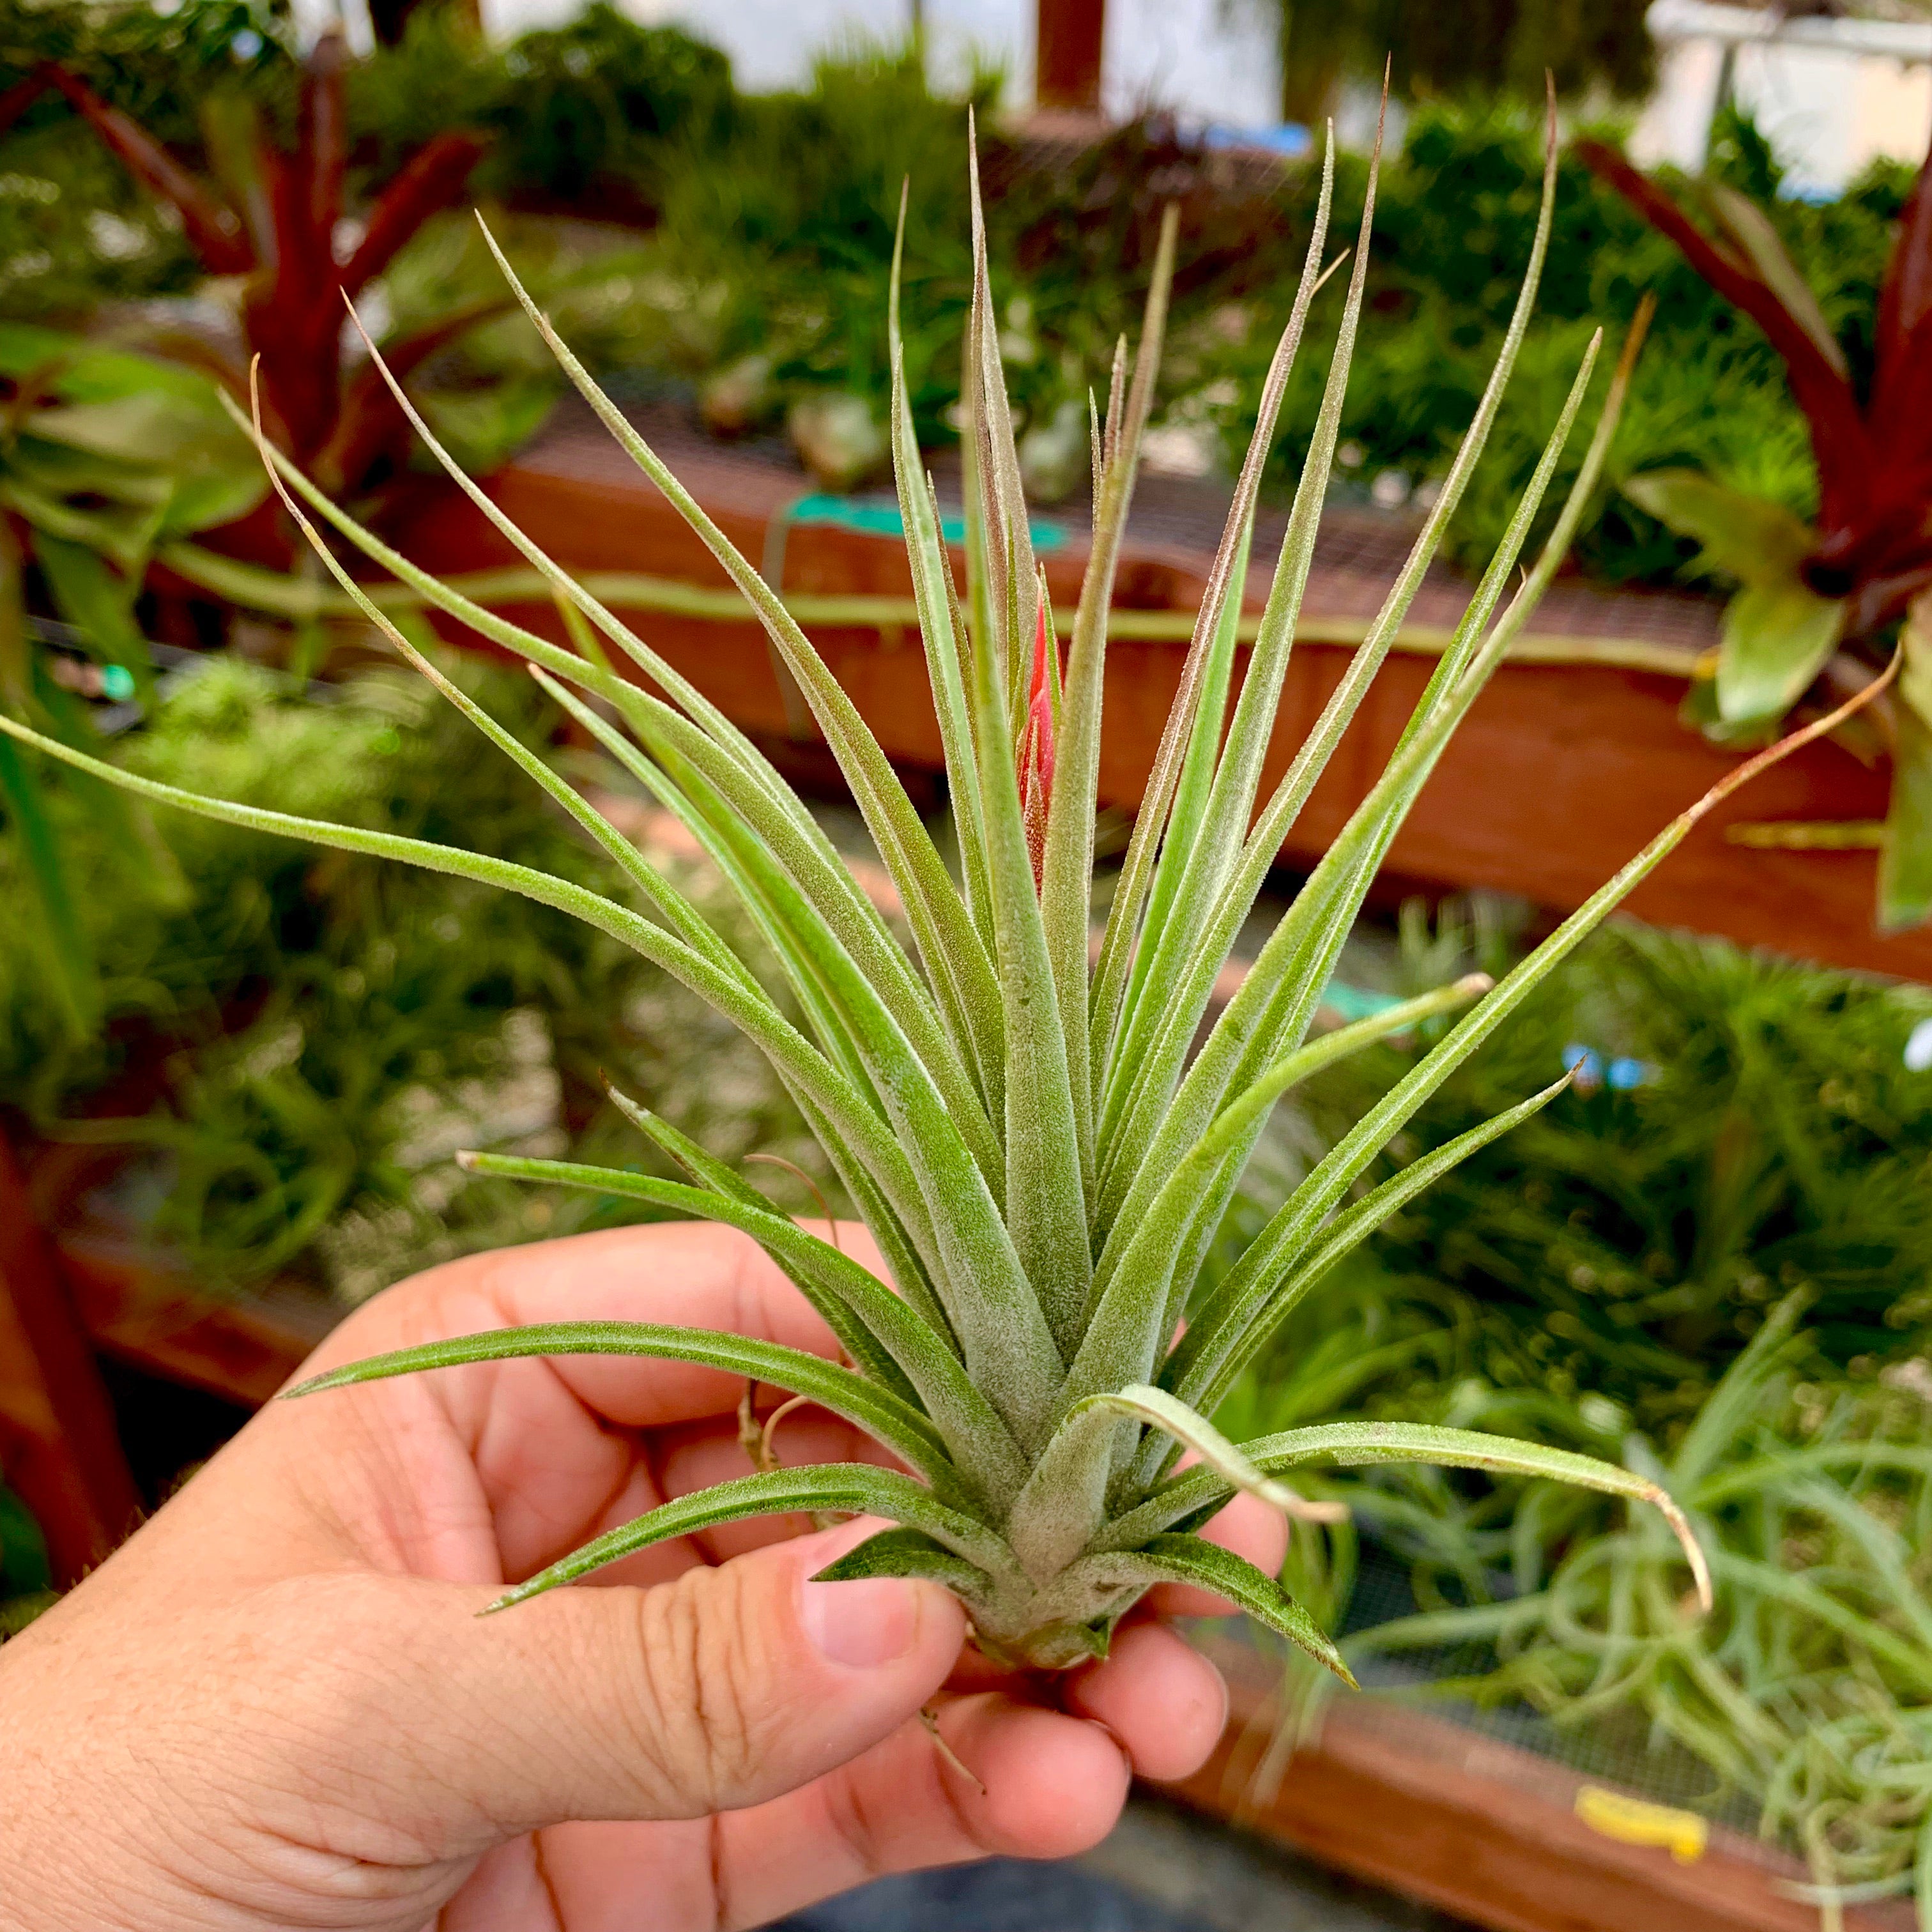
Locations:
(1694, 1550)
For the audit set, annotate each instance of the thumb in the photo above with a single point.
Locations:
(725, 1688)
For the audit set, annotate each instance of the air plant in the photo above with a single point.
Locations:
(1025, 1126)
(1806, 590)
(272, 218)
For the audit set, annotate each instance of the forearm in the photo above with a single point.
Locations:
(66, 1862)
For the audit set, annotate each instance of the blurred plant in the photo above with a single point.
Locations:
(589, 115)
(155, 67)
(1810, 1690)
(779, 244)
(486, 393)
(1449, 250)
(105, 457)
(1773, 1135)
(26, 1583)
(110, 460)
(1077, 225)
(1762, 1133)
(76, 229)
(333, 1027)
(1810, 587)
(273, 217)
(1488, 48)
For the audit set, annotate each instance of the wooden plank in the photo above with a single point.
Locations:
(154, 1317)
(1066, 58)
(1560, 774)
(58, 1446)
(140, 1307)
(1478, 1827)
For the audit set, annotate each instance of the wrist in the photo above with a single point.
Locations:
(66, 1863)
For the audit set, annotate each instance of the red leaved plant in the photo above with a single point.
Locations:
(275, 217)
(1807, 589)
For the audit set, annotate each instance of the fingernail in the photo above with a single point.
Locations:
(862, 1624)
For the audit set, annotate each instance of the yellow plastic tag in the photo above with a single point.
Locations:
(1635, 1821)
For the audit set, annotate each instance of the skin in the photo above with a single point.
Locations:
(275, 1707)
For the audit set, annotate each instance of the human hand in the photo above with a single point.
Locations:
(276, 1708)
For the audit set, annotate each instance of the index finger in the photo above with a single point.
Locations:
(682, 1273)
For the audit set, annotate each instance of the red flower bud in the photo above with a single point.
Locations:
(1036, 746)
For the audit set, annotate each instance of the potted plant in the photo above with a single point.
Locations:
(1809, 592)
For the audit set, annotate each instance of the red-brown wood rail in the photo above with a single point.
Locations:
(1562, 772)
(59, 1450)
(1493, 1833)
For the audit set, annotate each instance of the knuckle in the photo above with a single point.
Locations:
(706, 1718)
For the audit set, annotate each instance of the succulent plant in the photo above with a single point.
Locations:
(837, 436)
(736, 400)
(1024, 1124)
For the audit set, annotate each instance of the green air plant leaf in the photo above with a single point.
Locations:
(857, 1398)
(1038, 1151)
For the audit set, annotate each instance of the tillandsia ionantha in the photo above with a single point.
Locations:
(1023, 1122)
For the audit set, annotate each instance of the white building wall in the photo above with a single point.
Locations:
(1209, 59)
(1828, 113)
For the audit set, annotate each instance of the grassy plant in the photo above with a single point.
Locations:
(1043, 1158)
(1765, 1134)
(328, 1028)
(1811, 1690)
(1623, 1277)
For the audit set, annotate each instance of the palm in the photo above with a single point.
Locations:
(485, 1475)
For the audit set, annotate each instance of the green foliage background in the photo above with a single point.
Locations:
(334, 1026)
(774, 216)
(1494, 46)
(1628, 1241)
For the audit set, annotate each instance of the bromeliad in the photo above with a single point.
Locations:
(273, 219)
(1026, 1125)
(1808, 591)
